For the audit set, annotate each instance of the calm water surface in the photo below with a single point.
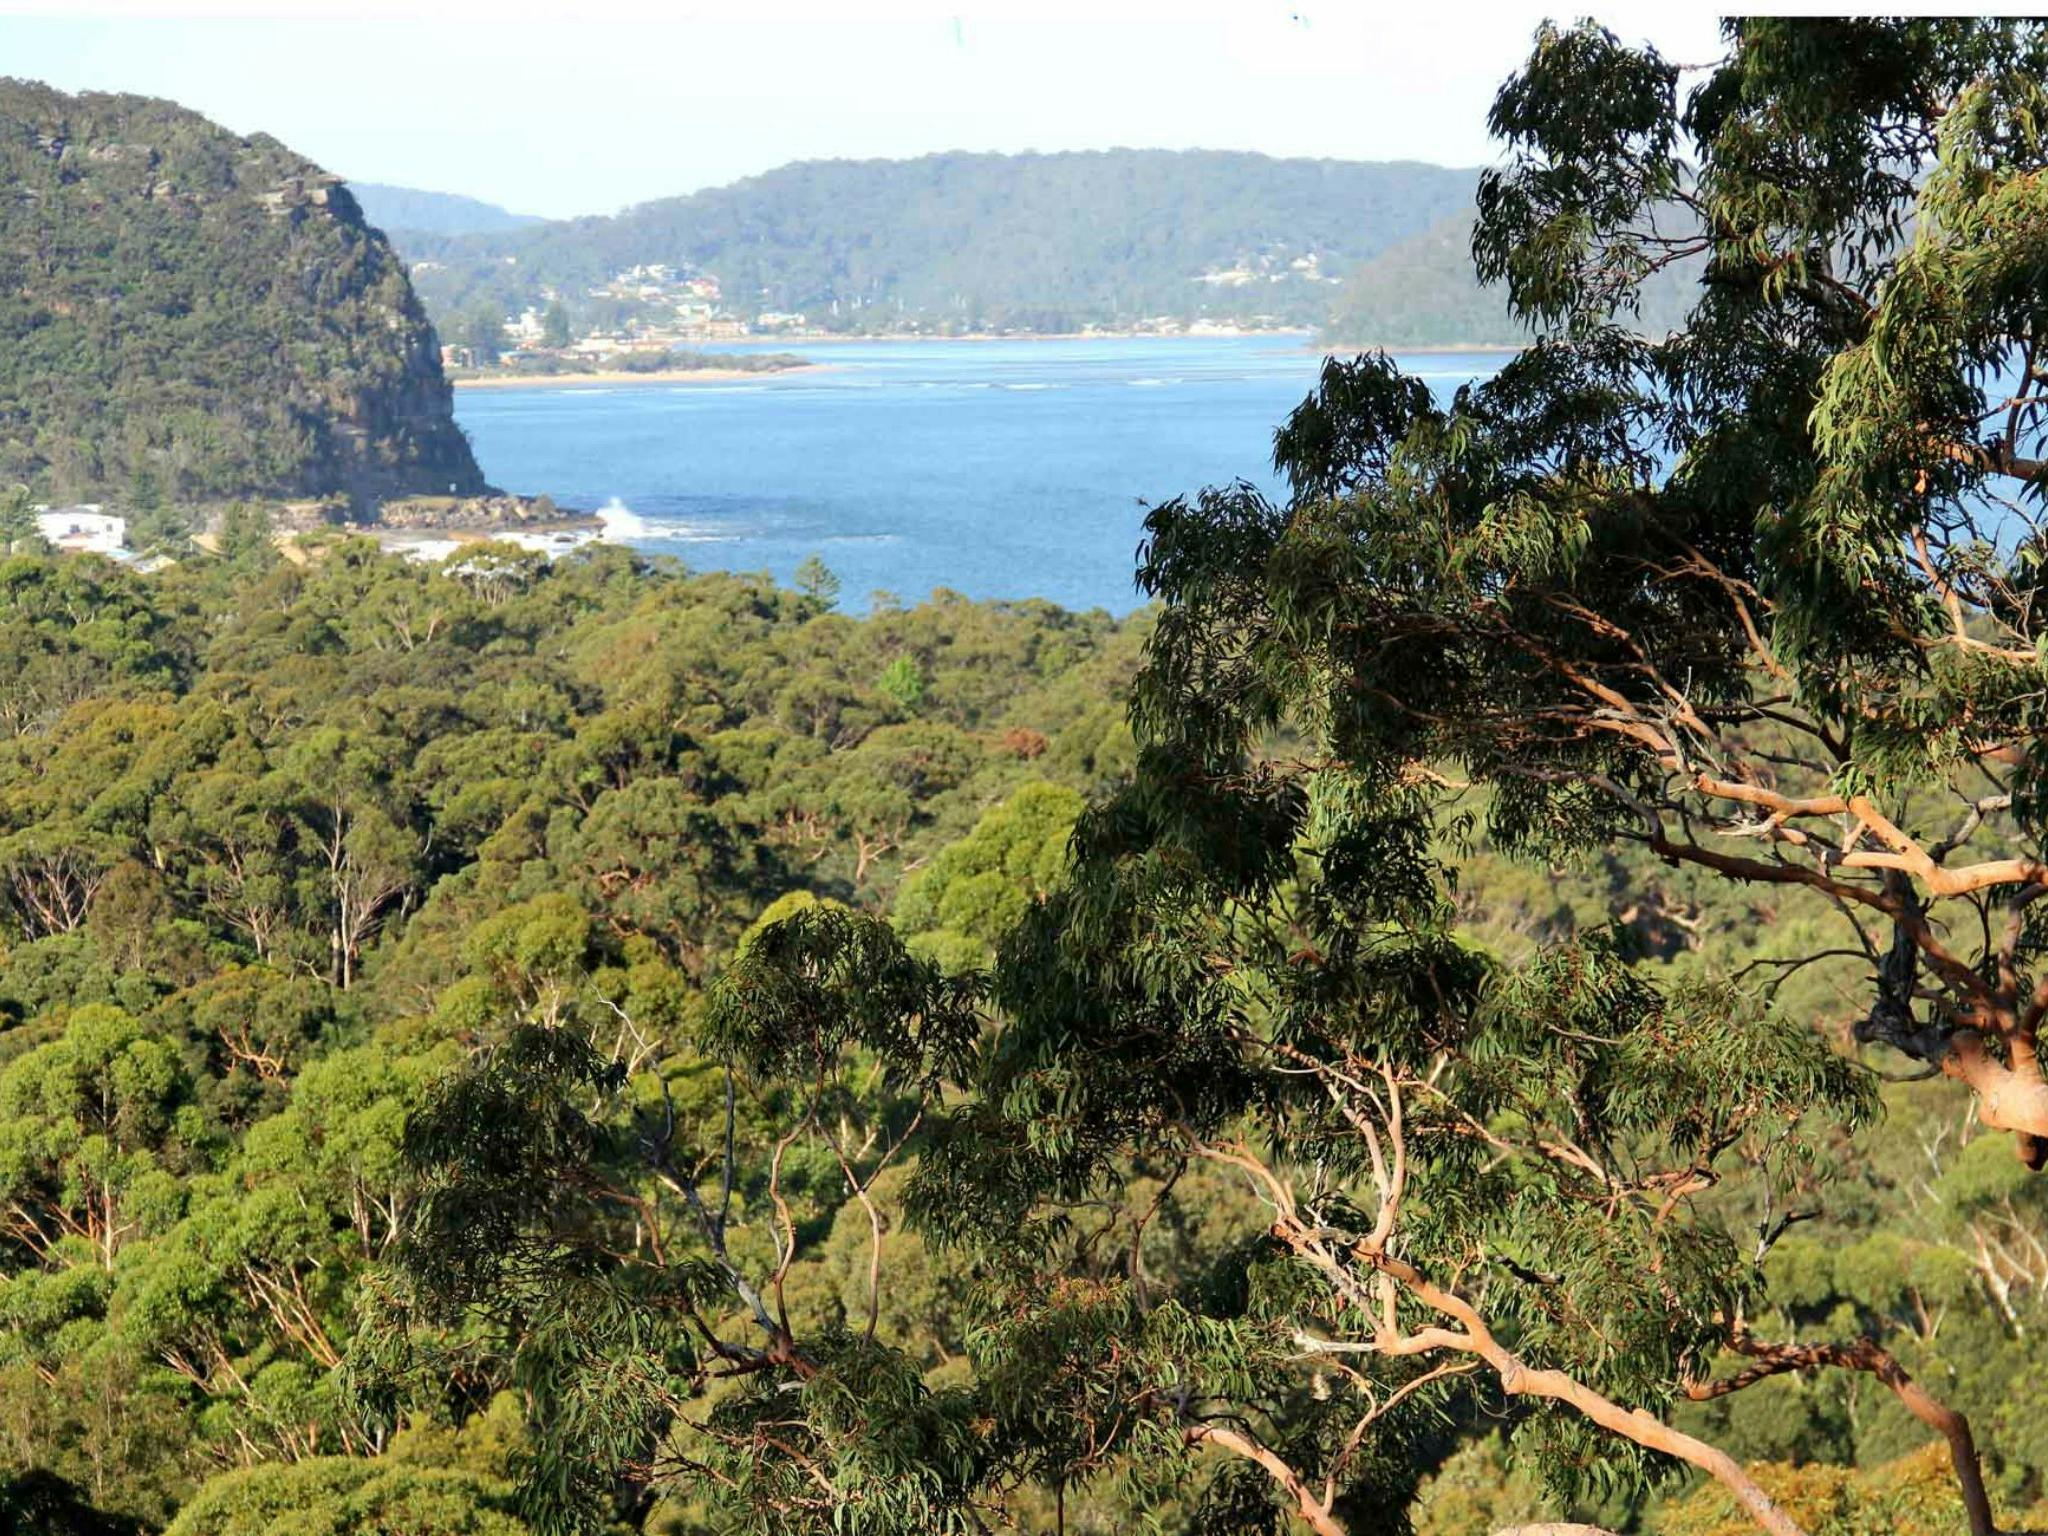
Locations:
(998, 469)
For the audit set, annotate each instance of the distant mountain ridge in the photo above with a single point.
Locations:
(434, 213)
(962, 242)
(188, 315)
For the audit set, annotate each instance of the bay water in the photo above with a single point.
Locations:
(997, 469)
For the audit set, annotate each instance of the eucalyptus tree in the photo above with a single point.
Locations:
(1756, 597)
(618, 1235)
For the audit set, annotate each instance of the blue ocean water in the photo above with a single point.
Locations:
(997, 469)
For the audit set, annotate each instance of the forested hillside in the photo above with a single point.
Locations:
(1424, 293)
(1508, 1000)
(965, 242)
(188, 315)
(282, 846)
(296, 860)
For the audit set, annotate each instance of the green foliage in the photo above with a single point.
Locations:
(1750, 600)
(296, 856)
(1475, 1493)
(343, 1497)
(46, 1504)
(956, 909)
(18, 530)
(1913, 1496)
(150, 353)
(903, 681)
(963, 242)
(435, 999)
(814, 579)
(1423, 293)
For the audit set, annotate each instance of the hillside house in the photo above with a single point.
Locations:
(85, 527)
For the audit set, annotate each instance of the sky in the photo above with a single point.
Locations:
(557, 108)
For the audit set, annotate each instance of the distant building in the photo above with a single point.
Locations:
(778, 320)
(458, 357)
(148, 565)
(82, 528)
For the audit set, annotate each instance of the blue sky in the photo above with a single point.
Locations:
(557, 108)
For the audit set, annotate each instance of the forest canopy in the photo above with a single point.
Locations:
(1509, 996)
(969, 242)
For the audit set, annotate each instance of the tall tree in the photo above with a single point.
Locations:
(1756, 598)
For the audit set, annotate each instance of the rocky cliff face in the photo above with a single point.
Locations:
(188, 315)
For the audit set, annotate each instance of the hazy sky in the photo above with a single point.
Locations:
(560, 108)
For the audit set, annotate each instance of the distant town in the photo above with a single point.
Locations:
(651, 310)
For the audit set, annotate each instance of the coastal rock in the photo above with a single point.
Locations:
(494, 512)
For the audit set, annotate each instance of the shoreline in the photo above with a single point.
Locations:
(570, 522)
(1303, 339)
(841, 338)
(621, 376)
(1300, 341)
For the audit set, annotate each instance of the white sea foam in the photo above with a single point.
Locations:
(620, 523)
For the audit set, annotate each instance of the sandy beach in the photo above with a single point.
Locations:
(620, 376)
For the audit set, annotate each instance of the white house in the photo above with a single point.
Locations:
(82, 527)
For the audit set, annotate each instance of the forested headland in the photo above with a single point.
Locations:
(1364, 254)
(188, 316)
